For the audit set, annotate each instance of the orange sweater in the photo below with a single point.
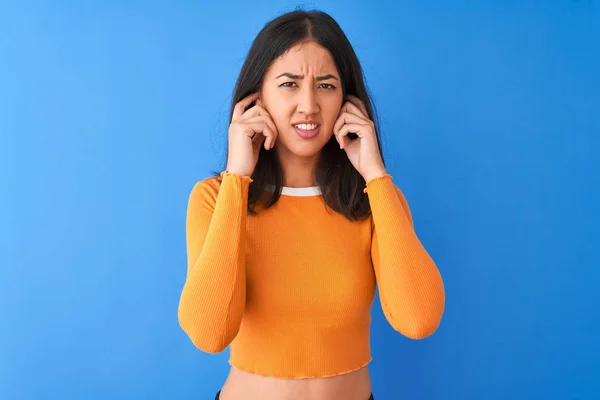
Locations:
(291, 288)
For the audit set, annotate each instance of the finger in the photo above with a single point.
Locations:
(342, 135)
(266, 118)
(359, 103)
(255, 128)
(354, 109)
(259, 127)
(267, 121)
(269, 138)
(347, 118)
(241, 106)
(256, 111)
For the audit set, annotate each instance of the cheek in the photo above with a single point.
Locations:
(331, 114)
(282, 117)
(278, 115)
(282, 122)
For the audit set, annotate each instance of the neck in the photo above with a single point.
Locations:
(298, 172)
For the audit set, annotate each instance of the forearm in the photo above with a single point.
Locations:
(213, 297)
(410, 285)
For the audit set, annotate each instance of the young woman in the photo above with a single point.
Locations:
(287, 244)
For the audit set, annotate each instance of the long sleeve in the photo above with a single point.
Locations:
(213, 297)
(410, 285)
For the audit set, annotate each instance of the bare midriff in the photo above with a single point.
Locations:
(241, 385)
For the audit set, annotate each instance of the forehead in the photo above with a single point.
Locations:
(306, 56)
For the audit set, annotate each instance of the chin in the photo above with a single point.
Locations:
(307, 152)
(306, 148)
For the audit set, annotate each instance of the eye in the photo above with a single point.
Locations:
(329, 86)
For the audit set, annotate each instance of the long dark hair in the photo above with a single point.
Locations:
(341, 184)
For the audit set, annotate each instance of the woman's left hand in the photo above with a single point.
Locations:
(363, 152)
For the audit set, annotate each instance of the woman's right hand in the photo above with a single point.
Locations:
(247, 133)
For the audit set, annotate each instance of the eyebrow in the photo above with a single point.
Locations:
(319, 78)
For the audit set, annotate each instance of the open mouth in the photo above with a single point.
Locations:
(307, 131)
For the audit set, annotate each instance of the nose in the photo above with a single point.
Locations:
(308, 102)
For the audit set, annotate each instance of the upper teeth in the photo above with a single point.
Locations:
(306, 127)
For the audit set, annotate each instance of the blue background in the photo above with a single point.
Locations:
(110, 113)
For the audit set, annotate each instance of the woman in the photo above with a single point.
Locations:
(286, 245)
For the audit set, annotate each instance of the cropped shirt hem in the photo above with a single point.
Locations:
(327, 375)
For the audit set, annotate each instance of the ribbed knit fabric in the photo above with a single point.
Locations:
(291, 289)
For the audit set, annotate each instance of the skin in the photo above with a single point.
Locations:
(298, 100)
(308, 99)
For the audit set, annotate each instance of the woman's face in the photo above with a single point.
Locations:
(311, 91)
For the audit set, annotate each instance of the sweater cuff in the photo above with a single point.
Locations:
(227, 173)
(376, 181)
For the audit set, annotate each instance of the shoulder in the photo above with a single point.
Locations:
(210, 184)
(205, 191)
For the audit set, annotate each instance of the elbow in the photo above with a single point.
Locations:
(211, 329)
(210, 346)
(210, 341)
(420, 329)
(422, 325)
(426, 322)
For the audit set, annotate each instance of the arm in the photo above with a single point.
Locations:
(411, 290)
(214, 294)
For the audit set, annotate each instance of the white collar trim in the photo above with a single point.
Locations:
(301, 191)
